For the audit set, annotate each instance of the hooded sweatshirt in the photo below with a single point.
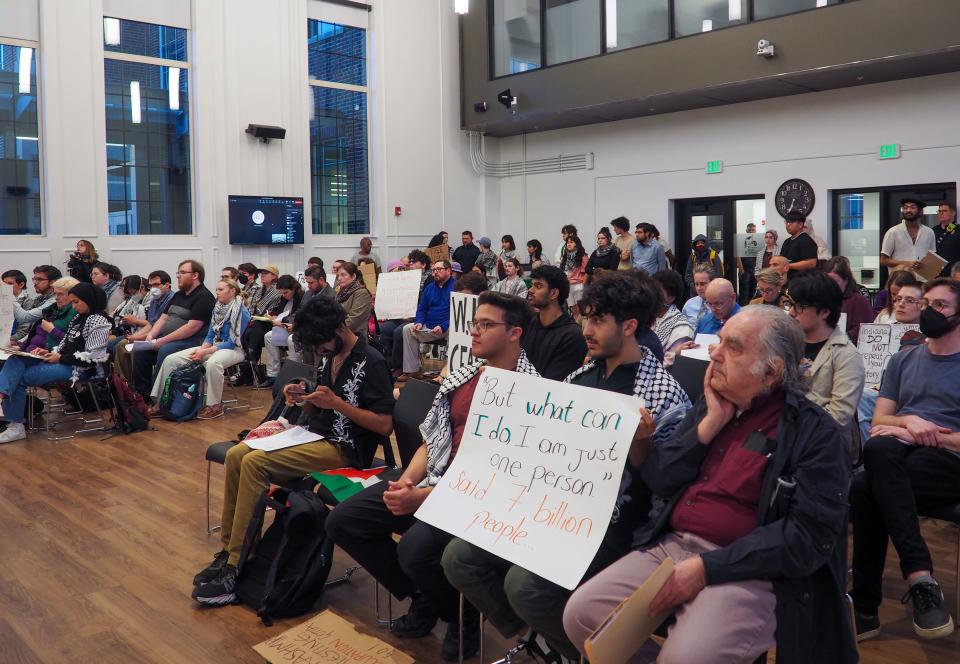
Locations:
(707, 256)
(556, 350)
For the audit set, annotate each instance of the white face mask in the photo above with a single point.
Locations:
(155, 292)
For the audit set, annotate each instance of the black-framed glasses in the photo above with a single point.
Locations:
(936, 305)
(790, 304)
(482, 325)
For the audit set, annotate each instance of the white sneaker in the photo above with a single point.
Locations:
(14, 431)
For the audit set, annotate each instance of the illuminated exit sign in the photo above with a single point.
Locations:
(715, 166)
(890, 151)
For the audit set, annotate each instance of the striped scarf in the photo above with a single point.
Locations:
(231, 313)
(436, 429)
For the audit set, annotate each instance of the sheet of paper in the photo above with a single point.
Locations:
(703, 352)
(6, 310)
(290, 438)
(626, 629)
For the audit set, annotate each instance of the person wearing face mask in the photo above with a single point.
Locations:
(155, 304)
(260, 296)
(134, 288)
(911, 463)
(350, 409)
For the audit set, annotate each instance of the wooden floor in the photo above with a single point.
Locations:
(101, 539)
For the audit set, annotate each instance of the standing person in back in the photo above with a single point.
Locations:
(574, 264)
(183, 325)
(467, 253)
(365, 252)
(565, 232)
(604, 257)
(702, 254)
(508, 249)
(624, 242)
(648, 255)
(799, 250)
(909, 241)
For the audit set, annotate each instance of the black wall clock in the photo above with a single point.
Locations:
(795, 195)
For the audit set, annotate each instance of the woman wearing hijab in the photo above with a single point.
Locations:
(605, 257)
(83, 346)
(221, 349)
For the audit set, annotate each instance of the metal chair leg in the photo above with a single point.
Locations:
(347, 573)
(376, 599)
(217, 527)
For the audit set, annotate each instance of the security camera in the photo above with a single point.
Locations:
(765, 48)
(509, 100)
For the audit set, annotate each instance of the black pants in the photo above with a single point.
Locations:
(253, 339)
(364, 527)
(899, 483)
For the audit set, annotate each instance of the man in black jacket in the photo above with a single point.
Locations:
(554, 343)
(756, 481)
(467, 253)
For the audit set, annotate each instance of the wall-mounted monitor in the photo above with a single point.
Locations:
(265, 220)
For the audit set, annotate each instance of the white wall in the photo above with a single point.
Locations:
(831, 139)
(248, 64)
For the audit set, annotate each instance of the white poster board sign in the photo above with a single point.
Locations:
(6, 311)
(398, 294)
(877, 344)
(537, 473)
(463, 307)
(749, 245)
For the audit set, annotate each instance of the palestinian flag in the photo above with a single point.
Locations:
(344, 482)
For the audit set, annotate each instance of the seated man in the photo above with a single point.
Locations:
(351, 407)
(554, 342)
(26, 316)
(721, 301)
(416, 260)
(906, 311)
(363, 524)
(694, 308)
(261, 294)
(912, 465)
(433, 316)
(755, 518)
(156, 301)
(511, 597)
(183, 325)
(830, 359)
(317, 286)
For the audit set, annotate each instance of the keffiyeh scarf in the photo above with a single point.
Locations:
(231, 312)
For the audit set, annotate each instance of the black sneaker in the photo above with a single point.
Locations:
(867, 625)
(450, 651)
(220, 590)
(419, 620)
(930, 619)
(213, 570)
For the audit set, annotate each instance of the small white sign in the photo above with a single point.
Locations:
(398, 294)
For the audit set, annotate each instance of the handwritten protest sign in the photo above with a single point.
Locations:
(6, 311)
(398, 294)
(369, 272)
(537, 472)
(877, 344)
(329, 639)
(438, 253)
(463, 307)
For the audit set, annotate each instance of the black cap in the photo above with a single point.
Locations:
(916, 201)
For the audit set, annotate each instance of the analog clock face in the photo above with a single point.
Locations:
(795, 196)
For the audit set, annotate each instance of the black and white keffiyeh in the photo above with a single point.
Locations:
(436, 429)
(232, 313)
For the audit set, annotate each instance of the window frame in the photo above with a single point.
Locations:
(185, 66)
(41, 139)
(349, 87)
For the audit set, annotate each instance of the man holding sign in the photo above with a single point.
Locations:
(756, 516)
(512, 597)
(363, 524)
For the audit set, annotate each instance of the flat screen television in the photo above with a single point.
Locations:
(265, 220)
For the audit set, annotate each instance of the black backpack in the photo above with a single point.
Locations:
(289, 566)
(182, 396)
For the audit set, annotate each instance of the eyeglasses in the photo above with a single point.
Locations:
(769, 290)
(180, 274)
(790, 304)
(482, 325)
(39, 280)
(937, 305)
(440, 269)
(912, 301)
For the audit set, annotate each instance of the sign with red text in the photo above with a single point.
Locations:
(537, 474)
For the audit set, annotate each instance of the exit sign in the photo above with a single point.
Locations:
(890, 151)
(714, 166)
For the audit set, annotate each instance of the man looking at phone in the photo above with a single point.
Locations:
(350, 409)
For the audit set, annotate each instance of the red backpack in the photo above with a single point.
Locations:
(130, 412)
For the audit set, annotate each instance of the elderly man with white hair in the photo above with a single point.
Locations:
(754, 485)
(721, 300)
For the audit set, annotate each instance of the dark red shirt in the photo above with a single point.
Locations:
(722, 505)
(460, 401)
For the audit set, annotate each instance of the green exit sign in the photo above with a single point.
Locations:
(715, 166)
(890, 151)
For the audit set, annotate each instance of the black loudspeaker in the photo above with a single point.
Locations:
(266, 132)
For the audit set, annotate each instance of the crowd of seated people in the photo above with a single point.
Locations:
(747, 489)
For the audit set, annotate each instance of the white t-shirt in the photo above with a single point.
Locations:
(898, 245)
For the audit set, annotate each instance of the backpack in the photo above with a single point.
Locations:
(131, 413)
(181, 398)
(289, 566)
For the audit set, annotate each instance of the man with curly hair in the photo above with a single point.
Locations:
(350, 409)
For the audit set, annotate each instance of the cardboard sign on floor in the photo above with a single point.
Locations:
(328, 639)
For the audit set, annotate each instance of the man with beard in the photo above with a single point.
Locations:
(911, 463)
(433, 316)
(554, 342)
(350, 409)
(909, 241)
(512, 597)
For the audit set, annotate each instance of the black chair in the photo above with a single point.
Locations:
(951, 514)
(689, 373)
(415, 400)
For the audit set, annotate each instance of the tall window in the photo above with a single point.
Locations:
(148, 128)
(339, 178)
(19, 141)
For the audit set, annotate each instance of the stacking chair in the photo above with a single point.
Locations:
(689, 373)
